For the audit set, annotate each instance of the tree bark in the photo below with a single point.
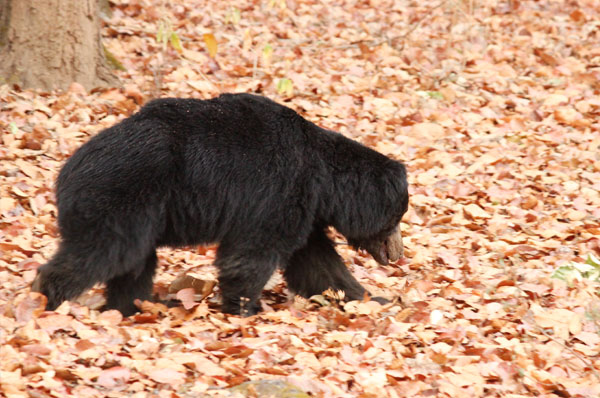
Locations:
(50, 44)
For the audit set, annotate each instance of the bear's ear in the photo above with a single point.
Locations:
(394, 246)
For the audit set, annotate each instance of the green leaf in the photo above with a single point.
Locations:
(435, 95)
(593, 261)
(566, 273)
(578, 271)
(285, 86)
(160, 33)
(175, 42)
(233, 16)
(112, 60)
(267, 53)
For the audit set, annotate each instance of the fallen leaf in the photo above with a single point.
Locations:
(474, 211)
(113, 377)
(211, 44)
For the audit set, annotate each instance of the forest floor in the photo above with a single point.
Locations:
(494, 106)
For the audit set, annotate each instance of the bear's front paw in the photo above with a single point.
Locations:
(380, 300)
(241, 307)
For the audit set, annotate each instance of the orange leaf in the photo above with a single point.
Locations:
(211, 44)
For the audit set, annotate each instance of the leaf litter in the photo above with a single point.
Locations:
(495, 108)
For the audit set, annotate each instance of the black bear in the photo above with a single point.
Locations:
(238, 170)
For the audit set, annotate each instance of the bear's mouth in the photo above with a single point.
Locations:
(388, 251)
(394, 247)
(383, 254)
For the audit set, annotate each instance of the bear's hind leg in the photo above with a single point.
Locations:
(317, 267)
(242, 277)
(122, 290)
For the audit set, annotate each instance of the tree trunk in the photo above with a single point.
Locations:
(50, 44)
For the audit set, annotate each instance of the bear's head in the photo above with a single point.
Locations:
(385, 247)
(385, 250)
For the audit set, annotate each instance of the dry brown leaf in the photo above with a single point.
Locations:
(113, 377)
(187, 298)
(30, 306)
(167, 376)
(474, 211)
(501, 149)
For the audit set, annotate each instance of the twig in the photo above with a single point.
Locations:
(207, 79)
(419, 23)
(530, 319)
(372, 42)
(254, 65)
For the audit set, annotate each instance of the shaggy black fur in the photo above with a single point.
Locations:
(240, 170)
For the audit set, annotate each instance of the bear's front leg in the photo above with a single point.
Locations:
(317, 267)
